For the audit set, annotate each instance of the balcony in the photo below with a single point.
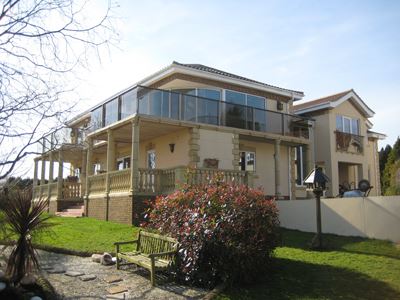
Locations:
(189, 108)
(348, 142)
(160, 181)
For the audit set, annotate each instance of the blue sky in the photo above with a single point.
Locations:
(319, 47)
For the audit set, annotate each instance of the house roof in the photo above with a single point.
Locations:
(332, 101)
(227, 74)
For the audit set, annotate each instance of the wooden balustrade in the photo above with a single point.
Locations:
(71, 190)
(97, 183)
(162, 181)
(120, 181)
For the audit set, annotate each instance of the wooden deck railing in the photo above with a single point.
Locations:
(120, 181)
(71, 190)
(161, 181)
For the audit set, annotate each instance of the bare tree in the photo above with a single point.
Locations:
(42, 45)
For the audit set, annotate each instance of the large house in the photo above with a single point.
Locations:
(345, 146)
(182, 124)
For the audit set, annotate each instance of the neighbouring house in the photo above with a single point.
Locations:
(184, 123)
(344, 144)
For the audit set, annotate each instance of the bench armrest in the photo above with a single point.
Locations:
(118, 244)
(153, 255)
(125, 243)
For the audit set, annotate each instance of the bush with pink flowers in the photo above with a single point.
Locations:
(227, 233)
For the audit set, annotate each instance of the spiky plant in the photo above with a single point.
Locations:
(24, 219)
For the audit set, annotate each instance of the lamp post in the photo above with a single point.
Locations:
(316, 181)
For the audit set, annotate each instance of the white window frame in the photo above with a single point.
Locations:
(121, 159)
(246, 160)
(152, 151)
(351, 124)
(301, 166)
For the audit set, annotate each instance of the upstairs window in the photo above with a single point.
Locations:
(347, 125)
(300, 165)
(123, 163)
(128, 104)
(97, 118)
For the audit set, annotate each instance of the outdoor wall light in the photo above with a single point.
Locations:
(316, 181)
(172, 147)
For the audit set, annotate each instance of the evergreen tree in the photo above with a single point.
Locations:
(389, 184)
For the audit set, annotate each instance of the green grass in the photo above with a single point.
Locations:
(350, 268)
(85, 234)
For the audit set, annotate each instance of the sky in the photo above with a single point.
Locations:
(318, 47)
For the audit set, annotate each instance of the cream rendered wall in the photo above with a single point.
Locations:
(164, 157)
(348, 110)
(373, 217)
(216, 144)
(265, 168)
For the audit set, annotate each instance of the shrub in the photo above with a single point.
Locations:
(226, 232)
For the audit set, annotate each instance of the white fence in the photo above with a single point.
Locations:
(373, 217)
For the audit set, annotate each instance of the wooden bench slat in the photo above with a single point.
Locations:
(151, 243)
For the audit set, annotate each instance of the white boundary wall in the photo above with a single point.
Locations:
(373, 217)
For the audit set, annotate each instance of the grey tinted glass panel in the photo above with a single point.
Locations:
(255, 101)
(210, 94)
(236, 98)
(128, 104)
(111, 115)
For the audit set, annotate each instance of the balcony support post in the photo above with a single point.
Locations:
(51, 171)
(135, 155)
(35, 178)
(235, 152)
(277, 157)
(60, 175)
(110, 157)
(83, 173)
(88, 172)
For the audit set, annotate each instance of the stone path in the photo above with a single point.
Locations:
(102, 280)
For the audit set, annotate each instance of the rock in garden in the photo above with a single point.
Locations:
(96, 257)
(2, 286)
(112, 279)
(57, 270)
(87, 277)
(36, 298)
(74, 273)
(28, 279)
(117, 289)
(106, 259)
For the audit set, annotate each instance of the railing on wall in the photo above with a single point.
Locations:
(71, 190)
(348, 142)
(162, 181)
(183, 107)
(120, 181)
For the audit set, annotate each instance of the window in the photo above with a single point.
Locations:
(347, 125)
(300, 165)
(123, 163)
(111, 112)
(96, 168)
(151, 159)
(96, 118)
(128, 104)
(247, 161)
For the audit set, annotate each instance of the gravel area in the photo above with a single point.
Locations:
(134, 280)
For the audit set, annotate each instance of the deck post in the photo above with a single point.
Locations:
(110, 158)
(277, 156)
(89, 164)
(60, 175)
(83, 173)
(35, 178)
(135, 155)
(51, 169)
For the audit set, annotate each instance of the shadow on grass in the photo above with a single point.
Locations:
(298, 280)
(332, 242)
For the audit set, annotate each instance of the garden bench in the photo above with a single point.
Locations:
(153, 252)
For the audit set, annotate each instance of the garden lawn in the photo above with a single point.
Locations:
(85, 234)
(350, 268)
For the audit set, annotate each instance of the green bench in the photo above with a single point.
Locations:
(153, 252)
